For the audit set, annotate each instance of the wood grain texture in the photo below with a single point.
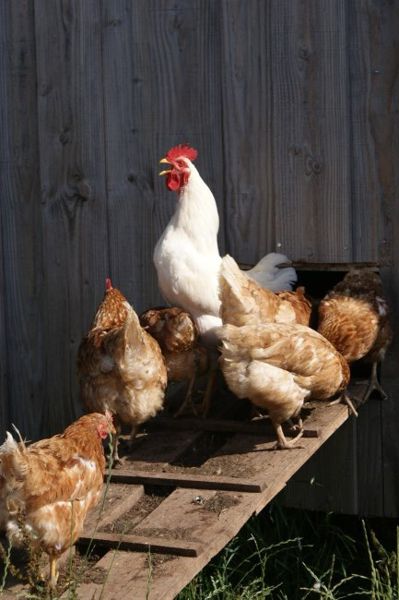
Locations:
(383, 122)
(22, 268)
(159, 90)
(72, 170)
(311, 129)
(293, 107)
(246, 80)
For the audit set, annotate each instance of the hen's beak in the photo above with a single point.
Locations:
(165, 161)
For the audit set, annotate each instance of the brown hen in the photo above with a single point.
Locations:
(47, 488)
(185, 358)
(354, 317)
(277, 366)
(245, 302)
(120, 366)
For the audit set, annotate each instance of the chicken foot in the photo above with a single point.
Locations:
(345, 399)
(373, 385)
(282, 443)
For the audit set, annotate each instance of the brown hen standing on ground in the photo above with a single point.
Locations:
(176, 333)
(47, 488)
(120, 366)
(354, 317)
(277, 366)
(245, 302)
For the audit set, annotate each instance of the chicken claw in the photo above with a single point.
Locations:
(282, 443)
(373, 385)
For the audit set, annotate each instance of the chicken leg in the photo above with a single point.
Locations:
(282, 442)
(53, 572)
(188, 398)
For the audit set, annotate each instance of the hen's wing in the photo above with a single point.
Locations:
(350, 324)
(301, 305)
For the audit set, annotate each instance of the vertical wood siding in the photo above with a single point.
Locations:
(293, 107)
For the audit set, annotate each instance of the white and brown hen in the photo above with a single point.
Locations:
(120, 365)
(278, 366)
(47, 488)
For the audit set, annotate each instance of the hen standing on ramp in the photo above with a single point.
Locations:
(47, 488)
(277, 366)
(354, 317)
(120, 365)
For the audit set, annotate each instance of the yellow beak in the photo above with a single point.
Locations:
(165, 160)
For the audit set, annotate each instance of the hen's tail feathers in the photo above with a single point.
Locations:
(231, 273)
(267, 273)
(232, 281)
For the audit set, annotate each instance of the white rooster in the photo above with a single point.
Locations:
(187, 257)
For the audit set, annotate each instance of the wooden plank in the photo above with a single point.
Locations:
(159, 448)
(117, 500)
(375, 66)
(208, 517)
(22, 264)
(311, 129)
(146, 52)
(364, 67)
(383, 25)
(246, 83)
(185, 480)
(255, 457)
(257, 427)
(141, 544)
(74, 206)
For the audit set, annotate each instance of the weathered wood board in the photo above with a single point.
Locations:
(297, 127)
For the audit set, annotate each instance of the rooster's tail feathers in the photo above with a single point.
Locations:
(268, 274)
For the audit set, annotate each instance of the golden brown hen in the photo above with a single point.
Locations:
(175, 331)
(354, 317)
(245, 302)
(47, 488)
(277, 366)
(120, 365)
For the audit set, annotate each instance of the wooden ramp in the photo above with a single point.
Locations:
(183, 494)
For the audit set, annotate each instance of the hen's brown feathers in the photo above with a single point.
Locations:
(175, 331)
(245, 302)
(354, 316)
(120, 365)
(173, 328)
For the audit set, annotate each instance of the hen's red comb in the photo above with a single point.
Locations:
(108, 284)
(181, 150)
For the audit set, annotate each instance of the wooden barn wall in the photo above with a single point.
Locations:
(293, 107)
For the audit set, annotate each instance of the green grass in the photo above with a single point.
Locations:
(296, 555)
(286, 554)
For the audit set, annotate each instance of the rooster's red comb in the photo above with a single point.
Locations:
(181, 150)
